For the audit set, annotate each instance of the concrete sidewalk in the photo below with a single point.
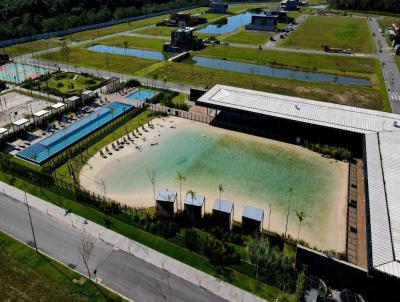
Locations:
(119, 242)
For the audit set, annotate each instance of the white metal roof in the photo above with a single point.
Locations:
(87, 92)
(196, 200)
(73, 99)
(302, 110)
(58, 105)
(41, 113)
(167, 196)
(3, 130)
(21, 122)
(253, 213)
(222, 205)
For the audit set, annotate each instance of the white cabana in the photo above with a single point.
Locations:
(41, 113)
(20, 123)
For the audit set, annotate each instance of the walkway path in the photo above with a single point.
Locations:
(390, 70)
(126, 266)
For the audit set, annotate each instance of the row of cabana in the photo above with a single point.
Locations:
(222, 212)
(42, 114)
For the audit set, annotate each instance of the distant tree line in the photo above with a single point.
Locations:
(20, 18)
(392, 6)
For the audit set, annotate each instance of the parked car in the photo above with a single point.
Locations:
(347, 51)
(225, 43)
(272, 39)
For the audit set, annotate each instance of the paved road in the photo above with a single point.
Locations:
(390, 71)
(134, 278)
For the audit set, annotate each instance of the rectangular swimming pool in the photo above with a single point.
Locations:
(48, 147)
(141, 95)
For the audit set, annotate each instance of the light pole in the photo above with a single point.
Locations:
(30, 220)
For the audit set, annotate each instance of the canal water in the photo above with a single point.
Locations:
(275, 72)
(132, 52)
(227, 25)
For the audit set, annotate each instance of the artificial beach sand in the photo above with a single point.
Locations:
(324, 228)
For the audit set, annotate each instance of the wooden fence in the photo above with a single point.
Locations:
(181, 113)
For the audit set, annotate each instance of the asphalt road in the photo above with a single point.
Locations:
(120, 271)
(389, 67)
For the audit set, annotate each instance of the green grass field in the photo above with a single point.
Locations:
(340, 32)
(81, 57)
(164, 31)
(249, 37)
(372, 98)
(135, 42)
(28, 276)
(20, 49)
(71, 83)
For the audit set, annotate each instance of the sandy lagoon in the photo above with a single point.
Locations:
(254, 171)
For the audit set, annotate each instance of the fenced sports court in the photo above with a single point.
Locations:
(17, 73)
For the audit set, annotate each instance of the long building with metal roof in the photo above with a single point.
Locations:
(381, 144)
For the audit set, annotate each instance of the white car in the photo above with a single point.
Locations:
(347, 51)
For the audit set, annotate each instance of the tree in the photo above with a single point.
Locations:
(65, 52)
(180, 178)
(85, 250)
(301, 215)
(288, 211)
(152, 178)
(192, 195)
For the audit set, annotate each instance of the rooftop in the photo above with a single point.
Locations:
(196, 200)
(302, 110)
(41, 113)
(58, 105)
(73, 98)
(253, 213)
(222, 205)
(167, 196)
(21, 122)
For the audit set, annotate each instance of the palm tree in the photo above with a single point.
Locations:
(301, 215)
(220, 189)
(180, 178)
(192, 195)
(288, 211)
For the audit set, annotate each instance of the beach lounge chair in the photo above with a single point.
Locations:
(114, 147)
(108, 151)
(130, 138)
(125, 140)
(102, 154)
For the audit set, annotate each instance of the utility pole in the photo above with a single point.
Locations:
(288, 210)
(30, 219)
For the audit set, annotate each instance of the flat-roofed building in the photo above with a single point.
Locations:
(222, 213)
(252, 219)
(218, 7)
(166, 203)
(195, 205)
(263, 22)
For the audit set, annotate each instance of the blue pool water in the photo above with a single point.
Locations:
(62, 139)
(283, 73)
(227, 25)
(141, 95)
(132, 52)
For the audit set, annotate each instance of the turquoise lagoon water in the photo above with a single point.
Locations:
(254, 171)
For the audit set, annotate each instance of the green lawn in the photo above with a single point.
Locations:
(250, 37)
(372, 98)
(341, 32)
(28, 276)
(81, 57)
(135, 42)
(160, 244)
(71, 83)
(320, 62)
(164, 31)
(20, 49)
